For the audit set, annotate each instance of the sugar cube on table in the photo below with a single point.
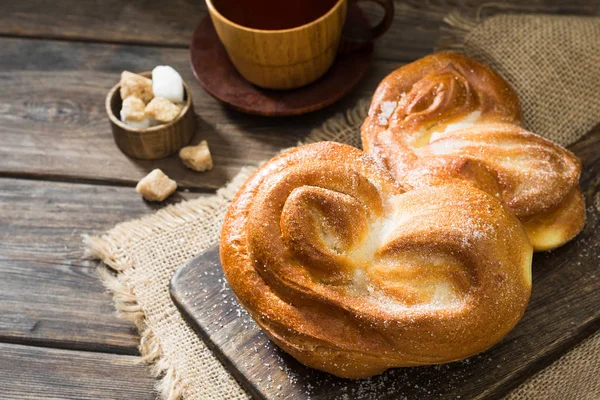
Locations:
(133, 113)
(136, 85)
(167, 83)
(197, 157)
(156, 186)
(162, 109)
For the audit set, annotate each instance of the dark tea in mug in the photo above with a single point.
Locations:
(273, 14)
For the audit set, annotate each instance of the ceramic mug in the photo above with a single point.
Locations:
(286, 44)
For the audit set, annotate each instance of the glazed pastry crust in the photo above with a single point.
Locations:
(350, 274)
(448, 118)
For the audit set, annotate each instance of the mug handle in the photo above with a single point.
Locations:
(357, 33)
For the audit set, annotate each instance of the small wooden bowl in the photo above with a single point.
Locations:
(154, 142)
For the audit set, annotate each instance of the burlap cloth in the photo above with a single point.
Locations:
(553, 62)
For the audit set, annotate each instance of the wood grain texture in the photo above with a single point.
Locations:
(134, 21)
(39, 373)
(563, 311)
(171, 23)
(49, 295)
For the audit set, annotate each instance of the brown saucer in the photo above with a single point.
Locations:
(220, 79)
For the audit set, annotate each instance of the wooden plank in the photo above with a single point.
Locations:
(170, 23)
(54, 124)
(49, 296)
(167, 23)
(40, 373)
(563, 310)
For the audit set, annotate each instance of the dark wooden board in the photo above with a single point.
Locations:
(38, 373)
(49, 295)
(563, 311)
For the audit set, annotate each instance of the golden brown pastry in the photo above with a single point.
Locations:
(350, 275)
(446, 117)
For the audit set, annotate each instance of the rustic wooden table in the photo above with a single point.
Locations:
(61, 175)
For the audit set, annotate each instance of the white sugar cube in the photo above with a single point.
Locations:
(167, 83)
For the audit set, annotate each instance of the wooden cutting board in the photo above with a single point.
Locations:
(564, 309)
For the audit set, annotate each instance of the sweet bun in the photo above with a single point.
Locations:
(448, 118)
(351, 274)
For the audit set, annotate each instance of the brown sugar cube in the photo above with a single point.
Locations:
(132, 110)
(156, 186)
(133, 114)
(162, 109)
(197, 157)
(136, 85)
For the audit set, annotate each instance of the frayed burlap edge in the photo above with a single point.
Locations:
(111, 247)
